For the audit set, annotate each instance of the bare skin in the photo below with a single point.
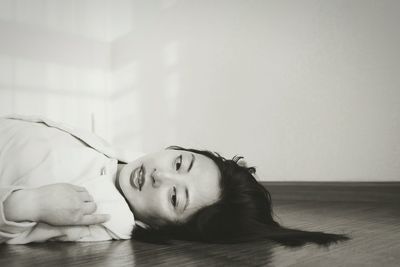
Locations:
(55, 204)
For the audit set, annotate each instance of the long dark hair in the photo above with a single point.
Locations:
(243, 213)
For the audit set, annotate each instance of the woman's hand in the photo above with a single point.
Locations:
(55, 204)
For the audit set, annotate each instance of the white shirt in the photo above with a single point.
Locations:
(36, 152)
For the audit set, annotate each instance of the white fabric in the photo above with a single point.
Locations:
(36, 152)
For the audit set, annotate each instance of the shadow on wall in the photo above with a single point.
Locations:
(53, 74)
(145, 110)
(305, 91)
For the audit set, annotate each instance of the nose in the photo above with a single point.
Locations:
(160, 177)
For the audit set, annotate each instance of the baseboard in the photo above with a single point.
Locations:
(335, 191)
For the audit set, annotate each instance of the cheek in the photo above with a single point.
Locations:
(154, 208)
(139, 207)
(144, 203)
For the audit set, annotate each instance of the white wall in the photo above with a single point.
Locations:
(54, 60)
(306, 90)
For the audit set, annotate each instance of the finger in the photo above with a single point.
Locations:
(85, 197)
(95, 219)
(79, 188)
(89, 207)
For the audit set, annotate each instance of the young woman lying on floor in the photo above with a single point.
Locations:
(60, 184)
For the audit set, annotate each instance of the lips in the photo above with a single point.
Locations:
(137, 178)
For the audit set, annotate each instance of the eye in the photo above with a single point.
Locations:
(178, 163)
(173, 197)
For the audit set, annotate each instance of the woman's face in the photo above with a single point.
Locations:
(169, 186)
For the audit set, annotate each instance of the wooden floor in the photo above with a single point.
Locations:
(370, 213)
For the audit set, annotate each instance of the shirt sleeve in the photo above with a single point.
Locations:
(44, 232)
(10, 229)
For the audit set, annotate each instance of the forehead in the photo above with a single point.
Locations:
(203, 182)
(203, 167)
(204, 186)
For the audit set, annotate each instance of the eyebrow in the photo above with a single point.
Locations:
(187, 199)
(191, 162)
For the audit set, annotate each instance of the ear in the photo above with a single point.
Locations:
(242, 163)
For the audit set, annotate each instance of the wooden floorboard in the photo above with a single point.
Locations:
(372, 222)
